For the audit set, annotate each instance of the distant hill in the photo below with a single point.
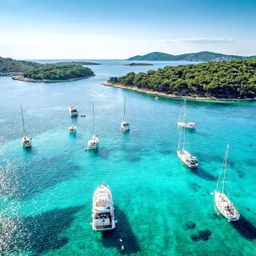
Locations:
(199, 56)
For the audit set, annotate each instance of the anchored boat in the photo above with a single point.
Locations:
(72, 128)
(26, 140)
(73, 111)
(102, 209)
(182, 119)
(223, 204)
(184, 156)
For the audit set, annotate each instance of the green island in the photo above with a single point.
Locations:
(35, 72)
(138, 64)
(85, 63)
(231, 80)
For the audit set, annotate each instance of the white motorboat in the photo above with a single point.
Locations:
(125, 126)
(26, 140)
(102, 209)
(72, 129)
(183, 154)
(93, 143)
(73, 111)
(221, 200)
(182, 119)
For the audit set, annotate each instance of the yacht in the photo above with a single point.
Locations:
(184, 156)
(26, 140)
(125, 126)
(73, 111)
(182, 119)
(93, 143)
(221, 200)
(102, 209)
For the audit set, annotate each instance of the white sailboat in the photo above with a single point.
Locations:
(102, 209)
(26, 140)
(185, 157)
(93, 143)
(182, 119)
(222, 202)
(125, 126)
(73, 111)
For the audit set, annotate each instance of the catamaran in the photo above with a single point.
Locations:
(182, 119)
(93, 143)
(73, 111)
(222, 202)
(125, 126)
(102, 209)
(26, 140)
(185, 157)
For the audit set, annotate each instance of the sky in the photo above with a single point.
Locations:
(118, 29)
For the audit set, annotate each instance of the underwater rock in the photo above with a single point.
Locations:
(202, 235)
(189, 225)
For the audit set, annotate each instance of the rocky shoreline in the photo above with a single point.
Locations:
(24, 79)
(172, 96)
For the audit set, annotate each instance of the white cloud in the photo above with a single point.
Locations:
(202, 40)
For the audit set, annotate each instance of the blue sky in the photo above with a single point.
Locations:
(32, 29)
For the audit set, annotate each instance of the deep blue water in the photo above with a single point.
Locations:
(162, 208)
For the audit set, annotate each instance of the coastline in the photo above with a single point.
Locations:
(30, 80)
(176, 97)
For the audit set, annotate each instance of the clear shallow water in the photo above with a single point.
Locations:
(161, 207)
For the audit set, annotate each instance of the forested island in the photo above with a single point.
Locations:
(35, 72)
(9, 66)
(234, 79)
(134, 64)
(85, 63)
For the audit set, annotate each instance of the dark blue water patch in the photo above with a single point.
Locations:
(201, 173)
(167, 152)
(201, 235)
(124, 232)
(195, 186)
(189, 225)
(133, 158)
(24, 182)
(36, 234)
(245, 228)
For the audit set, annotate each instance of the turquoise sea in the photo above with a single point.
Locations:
(162, 207)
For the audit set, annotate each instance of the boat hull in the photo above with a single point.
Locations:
(188, 125)
(188, 160)
(26, 142)
(226, 207)
(93, 143)
(125, 126)
(103, 218)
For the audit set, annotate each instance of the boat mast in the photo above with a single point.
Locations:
(184, 110)
(225, 168)
(124, 109)
(93, 113)
(22, 118)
